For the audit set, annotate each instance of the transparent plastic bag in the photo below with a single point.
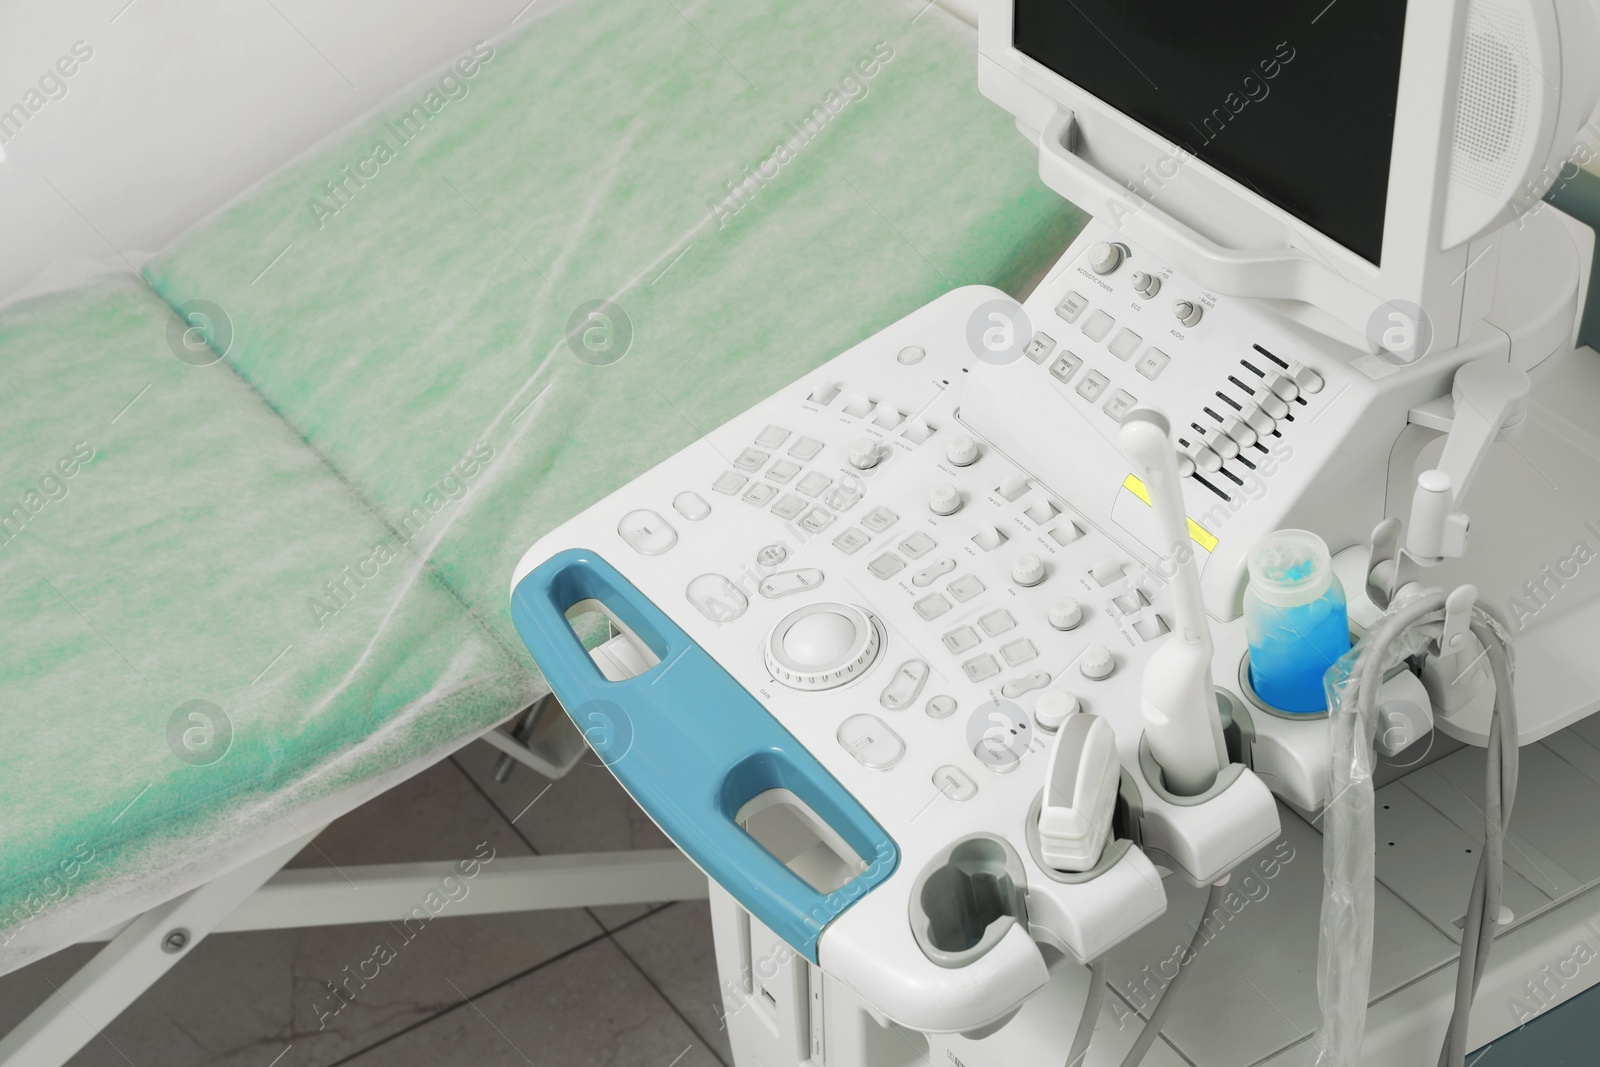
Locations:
(1344, 944)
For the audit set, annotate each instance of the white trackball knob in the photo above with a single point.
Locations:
(1053, 708)
(944, 500)
(864, 454)
(1097, 663)
(1104, 257)
(962, 451)
(1066, 613)
(1027, 570)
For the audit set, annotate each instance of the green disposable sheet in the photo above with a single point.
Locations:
(751, 187)
(171, 706)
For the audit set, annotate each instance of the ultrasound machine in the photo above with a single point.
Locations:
(1145, 671)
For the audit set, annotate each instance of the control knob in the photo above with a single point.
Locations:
(1146, 285)
(945, 499)
(1188, 312)
(864, 454)
(1028, 570)
(963, 450)
(1066, 613)
(1104, 257)
(1097, 663)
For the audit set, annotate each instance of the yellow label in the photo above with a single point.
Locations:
(1202, 536)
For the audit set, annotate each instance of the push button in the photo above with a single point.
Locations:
(1093, 384)
(954, 783)
(886, 566)
(906, 684)
(1065, 366)
(1072, 305)
(691, 505)
(1125, 344)
(646, 532)
(917, 545)
(869, 739)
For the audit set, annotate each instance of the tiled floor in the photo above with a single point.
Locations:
(620, 986)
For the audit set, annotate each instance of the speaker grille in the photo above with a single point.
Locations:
(1491, 110)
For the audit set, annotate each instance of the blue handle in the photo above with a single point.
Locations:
(692, 746)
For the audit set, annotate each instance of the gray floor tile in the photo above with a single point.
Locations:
(673, 948)
(435, 815)
(591, 1008)
(238, 1000)
(586, 811)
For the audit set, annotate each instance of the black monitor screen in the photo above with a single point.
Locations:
(1294, 99)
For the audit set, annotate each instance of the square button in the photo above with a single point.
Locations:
(842, 497)
(1118, 404)
(1040, 347)
(1065, 366)
(788, 507)
(751, 459)
(759, 494)
(997, 622)
(817, 519)
(1093, 384)
(772, 437)
(1152, 363)
(805, 449)
(850, 541)
(783, 470)
(886, 566)
(1071, 306)
(729, 482)
(917, 545)
(932, 606)
(879, 519)
(1125, 344)
(1098, 325)
(1018, 652)
(813, 483)
(980, 667)
(961, 639)
(964, 588)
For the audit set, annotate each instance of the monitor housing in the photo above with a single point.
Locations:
(1488, 99)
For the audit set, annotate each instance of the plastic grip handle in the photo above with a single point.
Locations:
(691, 746)
(1282, 273)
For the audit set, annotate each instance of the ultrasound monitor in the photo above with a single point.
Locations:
(1305, 119)
(1333, 158)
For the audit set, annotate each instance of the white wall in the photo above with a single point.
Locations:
(186, 103)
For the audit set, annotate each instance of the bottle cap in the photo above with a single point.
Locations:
(1289, 568)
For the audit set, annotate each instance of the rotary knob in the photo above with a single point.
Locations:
(864, 454)
(1146, 285)
(1104, 257)
(1097, 663)
(1066, 613)
(1027, 570)
(1188, 312)
(822, 646)
(1054, 707)
(944, 500)
(962, 451)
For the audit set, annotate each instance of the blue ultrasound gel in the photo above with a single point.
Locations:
(1295, 620)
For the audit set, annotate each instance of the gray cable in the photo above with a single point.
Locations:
(1091, 1012)
(1169, 995)
(1500, 786)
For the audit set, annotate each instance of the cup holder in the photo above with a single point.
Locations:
(965, 900)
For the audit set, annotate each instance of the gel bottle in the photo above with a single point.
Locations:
(1295, 619)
